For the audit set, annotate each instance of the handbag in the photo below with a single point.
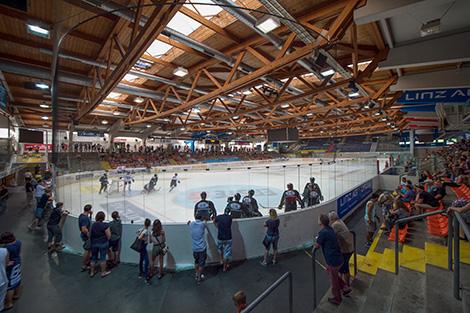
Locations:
(137, 245)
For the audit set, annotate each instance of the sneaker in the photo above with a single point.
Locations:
(334, 301)
(264, 263)
(202, 277)
(347, 291)
(274, 261)
(148, 282)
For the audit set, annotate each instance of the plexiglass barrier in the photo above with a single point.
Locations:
(222, 180)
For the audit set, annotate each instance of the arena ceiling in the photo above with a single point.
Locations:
(221, 66)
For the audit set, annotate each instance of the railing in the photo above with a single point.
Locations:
(406, 220)
(455, 233)
(270, 289)
(314, 270)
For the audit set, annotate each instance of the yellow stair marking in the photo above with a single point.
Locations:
(388, 260)
(370, 262)
(413, 258)
(436, 254)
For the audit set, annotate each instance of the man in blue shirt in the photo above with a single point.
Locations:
(84, 223)
(328, 242)
(197, 230)
(223, 223)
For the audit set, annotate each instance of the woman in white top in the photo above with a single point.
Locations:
(159, 247)
(3, 276)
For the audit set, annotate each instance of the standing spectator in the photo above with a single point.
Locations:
(53, 229)
(272, 236)
(144, 236)
(13, 269)
(205, 208)
(223, 223)
(3, 198)
(328, 242)
(45, 199)
(239, 299)
(40, 190)
(115, 227)
(159, 247)
(99, 235)
(370, 218)
(84, 223)
(29, 189)
(3, 276)
(290, 197)
(197, 230)
(346, 244)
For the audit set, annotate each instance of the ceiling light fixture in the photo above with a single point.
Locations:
(139, 100)
(44, 106)
(353, 94)
(114, 95)
(236, 117)
(104, 122)
(38, 31)
(246, 92)
(328, 72)
(309, 114)
(45, 117)
(130, 77)
(284, 106)
(42, 85)
(182, 128)
(116, 113)
(180, 71)
(377, 113)
(267, 23)
(148, 125)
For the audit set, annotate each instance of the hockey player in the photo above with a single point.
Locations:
(174, 182)
(290, 197)
(151, 184)
(236, 208)
(250, 204)
(104, 182)
(312, 194)
(128, 180)
(205, 208)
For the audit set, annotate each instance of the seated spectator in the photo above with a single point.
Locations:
(409, 195)
(437, 190)
(398, 211)
(424, 200)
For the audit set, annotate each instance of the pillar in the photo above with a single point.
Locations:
(412, 142)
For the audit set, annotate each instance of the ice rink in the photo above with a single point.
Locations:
(220, 181)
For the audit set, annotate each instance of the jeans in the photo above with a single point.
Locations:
(55, 232)
(337, 284)
(144, 262)
(99, 251)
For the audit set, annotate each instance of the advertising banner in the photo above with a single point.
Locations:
(348, 201)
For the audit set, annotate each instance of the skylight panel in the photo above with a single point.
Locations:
(207, 11)
(158, 48)
(183, 24)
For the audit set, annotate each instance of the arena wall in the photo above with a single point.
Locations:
(297, 230)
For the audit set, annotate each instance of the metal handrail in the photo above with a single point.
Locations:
(457, 223)
(406, 220)
(269, 290)
(314, 270)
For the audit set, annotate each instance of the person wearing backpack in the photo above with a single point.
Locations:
(289, 198)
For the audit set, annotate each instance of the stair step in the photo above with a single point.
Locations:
(409, 293)
(439, 296)
(356, 300)
(379, 295)
(465, 281)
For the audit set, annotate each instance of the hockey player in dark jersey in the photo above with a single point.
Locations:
(174, 182)
(290, 197)
(151, 184)
(250, 204)
(236, 208)
(312, 194)
(205, 208)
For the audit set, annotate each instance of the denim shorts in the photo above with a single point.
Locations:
(114, 245)
(271, 240)
(99, 251)
(225, 247)
(39, 213)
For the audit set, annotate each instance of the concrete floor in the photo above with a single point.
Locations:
(55, 284)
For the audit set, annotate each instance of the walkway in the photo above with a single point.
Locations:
(55, 284)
